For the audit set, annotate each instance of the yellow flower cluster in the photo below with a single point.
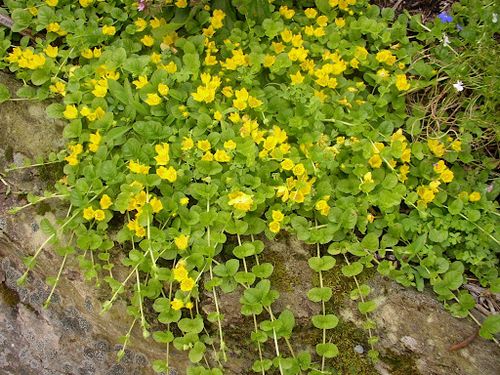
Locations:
(238, 60)
(92, 115)
(137, 202)
(296, 189)
(94, 141)
(138, 168)
(445, 174)
(58, 88)
(76, 150)
(54, 27)
(26, 58)
(240, 201)
(181, 275)
(428, 193)
(275, 224)
(91, 54)
(70, 112)
(206, 92)
(89, 213)
(162, 158)
(322, 205)
(244, 99)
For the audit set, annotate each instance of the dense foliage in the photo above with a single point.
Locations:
(194, 131)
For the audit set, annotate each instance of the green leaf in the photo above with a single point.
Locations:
(22, 19)
(323, 263)
(209, 168)
(197, 351)
(367, 306)
(327, 350)
(370, 242)
(320, 294)
(490, 326)
(39, 77)
(328, 321)
(55, 110)
(163, 337)
(245, 250)
(191, 325)
(246, 278)
(4, 93)
(263, 270)
(352, 269)
(455, 207)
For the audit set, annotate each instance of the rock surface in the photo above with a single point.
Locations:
(71, 337)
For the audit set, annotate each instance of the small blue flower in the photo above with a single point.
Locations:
(445, 17)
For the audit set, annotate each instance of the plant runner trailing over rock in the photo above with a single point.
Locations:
(194, 128)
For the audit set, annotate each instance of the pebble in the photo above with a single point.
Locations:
(359, 349)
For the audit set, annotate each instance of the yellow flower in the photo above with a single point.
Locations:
(296, 78)
(181, 3)
(187, 284)
(184, 201)
(204, 145)
(156, 205)
(108, 30)
(386, 56)
(440, 167)
(323, 207)
(169, 174)
(189, 305)
(340, 22)
(456, 145)
(140, 82)
(436, 147)
(85, 3)
(446, 176)
(274, 226)
(181, 242)
(147, 40)
(180, 272)
(375, 161)
(163, 89)
(287, 164)
(153, 99)
(58, 88)
(222, 156)
(53, 27)
(218, 116)
(310, 13)
(162, 157)
(51, 3)
(269, 61)
(322, 21)
(141, 24)
(277, 215)
(367, 178)
(474, 196)
(88, 213)
(426, 194)
(95, 141)
(99, 215)
(51, 51)
(401, 83)
(382, 73)
(71, 112)
(105, 202)
(240, 201)
(299, 169)
(187, 144)
(176, 304)
(406, 155)
(138, 168)
(155, 23)
(370, 218)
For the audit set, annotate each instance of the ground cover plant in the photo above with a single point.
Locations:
(195, 130)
